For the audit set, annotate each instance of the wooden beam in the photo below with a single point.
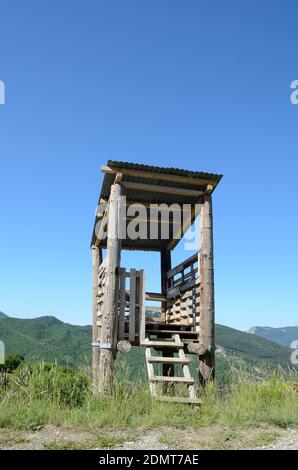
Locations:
(118, 178)
(155, 297)
(165, 266)
(207, 321)
(163, 189)
(160, 176)
(132, 305)
(151, 219)
(108, 339)
(149, 205)
(142, 308)
(96, 255)
(121, 328)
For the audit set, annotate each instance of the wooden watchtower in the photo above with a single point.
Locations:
(165, 202)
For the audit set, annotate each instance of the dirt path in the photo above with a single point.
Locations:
(212, 437)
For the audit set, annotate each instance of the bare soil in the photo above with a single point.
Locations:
(212, 437)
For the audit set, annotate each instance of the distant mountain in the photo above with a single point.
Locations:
(46, 338)
(51, 339)
(2, 315)
(284, 336)
(251, 348)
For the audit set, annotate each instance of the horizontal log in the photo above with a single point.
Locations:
(123, 346)
(154, 297)
(163, 189)
(197, 348)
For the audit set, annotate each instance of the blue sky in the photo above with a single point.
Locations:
(192, 84)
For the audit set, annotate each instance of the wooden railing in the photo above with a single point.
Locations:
(181, 304)
(183, 294)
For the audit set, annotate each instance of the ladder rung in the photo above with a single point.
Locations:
(162, 344)
(190, 401)
(168, 360)
(171, 332)
(161, 378)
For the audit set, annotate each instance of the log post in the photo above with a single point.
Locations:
(207, 320)
(108, 340)
(165, 265)
(96, 261)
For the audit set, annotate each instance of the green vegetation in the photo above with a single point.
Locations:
(251, 391)
(265, 437)
(12, 362)
(49, 339)
(46, 338)
(98, 441)
(42, 394)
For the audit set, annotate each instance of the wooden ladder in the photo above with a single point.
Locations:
(174, 344)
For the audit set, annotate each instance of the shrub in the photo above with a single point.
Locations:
(59, 384)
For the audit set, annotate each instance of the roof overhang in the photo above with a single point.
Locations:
(149, 185)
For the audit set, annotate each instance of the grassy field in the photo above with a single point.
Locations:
(40, 394)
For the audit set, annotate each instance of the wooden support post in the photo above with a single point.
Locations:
(96, 255)
(142, 307)
(108, 340)
(207, 321)
(166, 265)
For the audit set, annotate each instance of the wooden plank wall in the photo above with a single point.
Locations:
(183, 294)
(131, 305)
(101, 279)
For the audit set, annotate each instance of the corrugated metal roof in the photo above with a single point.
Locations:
(153, 197)
(165, 170)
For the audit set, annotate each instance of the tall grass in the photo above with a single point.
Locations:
(42, 394)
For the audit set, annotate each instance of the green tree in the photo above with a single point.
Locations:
(12, 361)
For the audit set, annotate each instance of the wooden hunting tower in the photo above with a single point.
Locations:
(164, 201)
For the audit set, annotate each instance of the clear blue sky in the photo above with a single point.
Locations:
(202, 85)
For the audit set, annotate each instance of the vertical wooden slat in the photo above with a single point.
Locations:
(151, 374)
(132, 305)
(165, 266)
(186, 373)
(121, 332)
(142, 310)
(138, 300)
